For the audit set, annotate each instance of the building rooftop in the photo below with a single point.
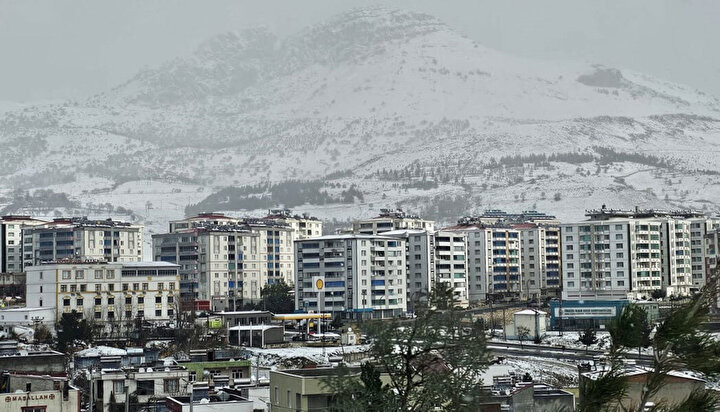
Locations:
(604, 213)
(65, 222)
(287, 214)
(348, 237)
(632, 370)
(145, 264)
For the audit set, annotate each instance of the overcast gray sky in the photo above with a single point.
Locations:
(57, 49)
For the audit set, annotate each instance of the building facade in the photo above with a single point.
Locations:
(361, 275)
(390, 219)
(112, 294)
(451, 263)
(635, 254)
(81, 238)
(420, 260)
(11, 241)
(226, 261)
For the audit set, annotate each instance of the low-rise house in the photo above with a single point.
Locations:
(304, 389)
(32, 393)
(27, 360)
(676, 387)
(150, 385)
(257, 336)
(220, 402)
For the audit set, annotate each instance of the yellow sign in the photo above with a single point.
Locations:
(319, 284)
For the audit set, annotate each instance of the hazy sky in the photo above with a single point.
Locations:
(56, 49)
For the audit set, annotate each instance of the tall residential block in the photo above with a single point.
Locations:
(361, 276)
(11, 239)
(82, 238)
(225, 262)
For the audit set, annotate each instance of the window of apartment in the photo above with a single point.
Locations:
(63, 288)
(111, 287)
(158, 312)
(83, 288)
(171, 285)
(171, 385)
(128, 301)
(98, 287)
(144, 286)
(161, 286)
(571, 284)
(128, 314)
(79, 301)
(66, 302)
(119, 387)
(570, 265)
(66, 274)
(33, 408)
(170, 313)
(98, 301)
(98, 315)
(111, 301)
(569, 247)
(169, 299)
(158, 299)
(73, 288)
(621, 283)
(136, 286)
(146, 387)
(618, 227)
(98, 274)
(124, 287)
(141, 300)
(111, 274)
(79, 274)
(618, 245)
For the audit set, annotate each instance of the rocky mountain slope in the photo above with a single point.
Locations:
(394, 104)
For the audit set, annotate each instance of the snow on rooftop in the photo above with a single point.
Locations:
(101, 351)
(530, 312)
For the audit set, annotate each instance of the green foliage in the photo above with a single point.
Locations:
(588, 337)
(278, 298)
(523, 333)
(631, 328)
(262, 196)
(72, 327)
(365, 392)
(434, 360)
(679, 343)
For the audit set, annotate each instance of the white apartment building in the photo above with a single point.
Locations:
(451, 263)
(81, 238)
(494, 258)
(420, 259)
(619, 254)
(304, 226)
(109, 293)
(390, 219)
(11, 239)
(540, 259)
(227, 261)
(362, 276)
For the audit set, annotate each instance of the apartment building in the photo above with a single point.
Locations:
(540, 261)
(618, 254)
(451, 263)
(352, 275)
(303, 226)
(494, 259)
(109, 293)
(391, 219)
(420, 260)
(700, 227)
(82, 238)
(226, 261)
(220, 265)
(11, 248)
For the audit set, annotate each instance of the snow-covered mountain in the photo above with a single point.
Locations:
(395, 98)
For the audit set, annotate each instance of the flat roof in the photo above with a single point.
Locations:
(156, 263)
(254, 327)
(347, 237)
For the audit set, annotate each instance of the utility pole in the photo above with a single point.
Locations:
(191, 396)
(127, 398)
(503, 325)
